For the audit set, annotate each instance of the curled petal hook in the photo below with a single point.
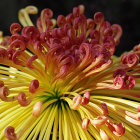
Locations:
(10, 133)
(22, 99)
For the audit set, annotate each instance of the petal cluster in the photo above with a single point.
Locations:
(59, 79)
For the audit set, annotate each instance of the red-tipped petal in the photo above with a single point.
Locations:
(30, 61)
(85, 123)
(18, 44)
(98, 17)
(4, 92)
(10, 133)
(14, 28)
(86, 98)
(118, 82)
(131, 59)
(34, 85)
(105, 109)
(22, 99)
(129, 82)
(119, 129)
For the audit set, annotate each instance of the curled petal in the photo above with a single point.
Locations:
(86, 98)
(104, 28)
(37, 109)
(18, 44)
(30, 61)
(110, 47)
(38, 47)
(104, 135)
(116, 129)
(66, 27)
(16, 37)
(47, 13)
(39, 25)
(51, 53)
(90, 23)
(119, 129)
(34, 85)
(4, 92)
(10, 133)
(108, 32)
(76, 11)
(66, 60)
(97, 50)
(100, 120)
(62, 72)
(105, 109)
(14, 28)
(94, 34)
(85, 123)
(117, 32)
(54, 33)
(49, 22)
(43, 37)
(108, 39)
(129, 82)
(31, 10)
(118, 82)
(15, 57)
(45, 21)
(76, 23)
(85, 52)
(119, 73)
(22, 99)
(70, 18)
(61, 20)
(98, 17)
(131, 59)
(71, 33)
(76, 102)
(30, 33)
(10, 53)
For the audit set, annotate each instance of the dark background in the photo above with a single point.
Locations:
(123, 12)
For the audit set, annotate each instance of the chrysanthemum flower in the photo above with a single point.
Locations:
(60, 80)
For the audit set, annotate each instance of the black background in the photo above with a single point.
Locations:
(123, 12)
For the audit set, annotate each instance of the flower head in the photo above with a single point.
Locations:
(60, 79)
